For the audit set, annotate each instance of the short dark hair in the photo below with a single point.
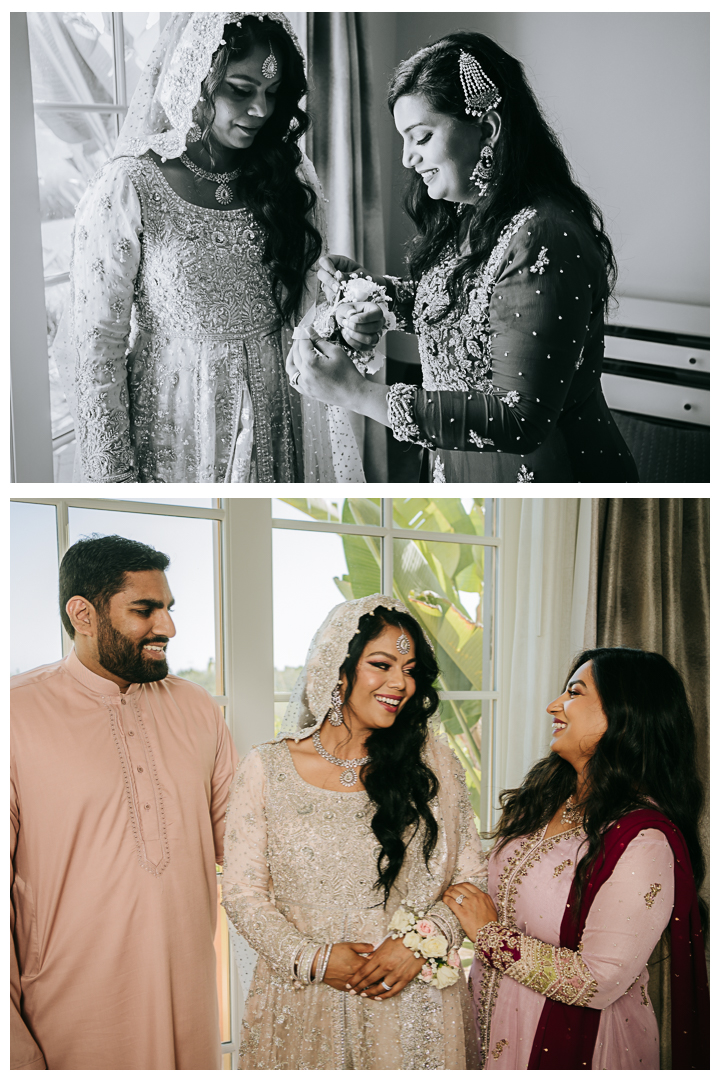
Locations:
(95, 568)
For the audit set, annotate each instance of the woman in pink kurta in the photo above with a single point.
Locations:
(596, 853)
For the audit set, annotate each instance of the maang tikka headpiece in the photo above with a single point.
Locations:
(480, 92)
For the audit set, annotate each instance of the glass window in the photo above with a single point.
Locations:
(85, 66)
(190, 544)
(345, 511)
(35, 636)
(466, 516)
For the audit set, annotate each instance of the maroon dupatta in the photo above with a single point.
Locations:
(565, 1035)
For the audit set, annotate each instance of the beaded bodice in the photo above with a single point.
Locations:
(454, 342)
(320, 844)
(201, 273)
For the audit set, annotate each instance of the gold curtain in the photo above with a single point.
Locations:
(342, 145)
(652, 591)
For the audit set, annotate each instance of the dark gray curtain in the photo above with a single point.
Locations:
(652, 578)
(343, 148)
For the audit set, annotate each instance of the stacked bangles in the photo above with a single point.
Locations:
(303, 960)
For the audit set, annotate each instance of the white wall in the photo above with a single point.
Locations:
(629, 97)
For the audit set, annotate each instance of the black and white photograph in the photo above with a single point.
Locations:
(360, 247)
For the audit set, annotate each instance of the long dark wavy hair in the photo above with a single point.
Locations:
(269, 184)
(646, 757)
(396, 778)
(529, 161)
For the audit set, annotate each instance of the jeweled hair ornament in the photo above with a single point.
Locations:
(403, 644)
(269, 67)
(480, 92)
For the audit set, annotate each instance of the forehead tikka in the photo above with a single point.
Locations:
(480, 92)
(269, 68)
(403, 644)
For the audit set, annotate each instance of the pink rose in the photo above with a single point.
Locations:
(425, 928)
(454, 958)
(426, 973)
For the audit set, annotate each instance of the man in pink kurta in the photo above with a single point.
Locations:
(118, 796)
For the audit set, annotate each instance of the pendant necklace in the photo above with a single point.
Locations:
(349, 776)
(223, 193)
(571, 814)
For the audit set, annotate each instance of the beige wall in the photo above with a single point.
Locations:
(628, 94)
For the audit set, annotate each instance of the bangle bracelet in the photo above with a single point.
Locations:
(323, 963)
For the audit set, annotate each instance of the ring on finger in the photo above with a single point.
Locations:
(459, 898)
(295, 379)
(383, 983)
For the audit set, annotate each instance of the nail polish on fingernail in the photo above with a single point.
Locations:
(352, 993)
(363, 994)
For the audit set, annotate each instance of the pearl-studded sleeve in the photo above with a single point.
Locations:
(533, 319)
(623, 926)
(247, 881)
(106, 256)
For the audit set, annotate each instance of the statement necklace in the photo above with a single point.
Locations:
(223, 194)
(349, 776)
(571, 814)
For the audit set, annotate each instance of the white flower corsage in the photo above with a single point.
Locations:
(359, 292)
(418, 933)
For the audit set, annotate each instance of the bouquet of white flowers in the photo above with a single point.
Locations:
(359, 292)
(418, 933)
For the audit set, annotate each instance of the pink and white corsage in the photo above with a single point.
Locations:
(421, 935)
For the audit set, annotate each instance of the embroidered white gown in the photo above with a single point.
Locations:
(300, 864)
(175, 365)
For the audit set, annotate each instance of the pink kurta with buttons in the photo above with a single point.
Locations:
(529, 881)
(117, 819)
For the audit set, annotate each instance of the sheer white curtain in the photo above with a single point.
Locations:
(545, 583)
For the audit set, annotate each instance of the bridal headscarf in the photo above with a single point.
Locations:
(310, 699)
(160, 113)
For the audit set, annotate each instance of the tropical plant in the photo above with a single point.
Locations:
(437, 579)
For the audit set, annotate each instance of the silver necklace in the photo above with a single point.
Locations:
(223, 194)
(571, 814)
(349, 776)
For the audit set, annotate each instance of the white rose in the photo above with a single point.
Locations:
(412, 941)
(402, 920)
(446, 976)
(358, 289)
(433, 946)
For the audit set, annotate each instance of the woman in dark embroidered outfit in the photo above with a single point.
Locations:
(510, 278)
(353, 810)
(194, 255)
(596, 854)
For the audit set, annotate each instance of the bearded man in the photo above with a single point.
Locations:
(120, 777)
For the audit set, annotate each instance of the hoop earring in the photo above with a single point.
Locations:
(335, 716)
(482, 174)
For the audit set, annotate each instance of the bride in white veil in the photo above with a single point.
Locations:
(195, 251)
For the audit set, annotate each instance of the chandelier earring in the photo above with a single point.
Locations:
(336, 716)
(482, 174)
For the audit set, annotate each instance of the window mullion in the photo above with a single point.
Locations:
(386, 569)
(62, 522)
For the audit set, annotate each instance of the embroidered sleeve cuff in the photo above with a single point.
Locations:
(560, 974)
(401, 416)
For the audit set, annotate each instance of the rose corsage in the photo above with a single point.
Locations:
(418, 933)
(357, 291)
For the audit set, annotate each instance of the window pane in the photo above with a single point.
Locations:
(466, 516)
(443, 586)
(71, 55)
(34, 615)
(208, 503)
(190, 545)
(346, 511)
(312, 573)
